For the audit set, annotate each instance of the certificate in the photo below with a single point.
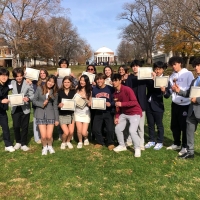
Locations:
(99, 103)
(32, 74)
(80, 102)
(194, 92)
(62, 72)
(144, 73)
(108, 82)
(69, 104)
(90, 75)
(16, 99)
(161, 81)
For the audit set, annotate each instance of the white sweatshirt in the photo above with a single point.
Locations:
(183, 80)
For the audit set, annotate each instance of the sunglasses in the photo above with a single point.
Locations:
(90, 69)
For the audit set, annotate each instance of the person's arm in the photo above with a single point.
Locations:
(132, 99)
(55, 106)
(36, 101)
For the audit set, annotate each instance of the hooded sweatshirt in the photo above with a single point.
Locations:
(183, 80)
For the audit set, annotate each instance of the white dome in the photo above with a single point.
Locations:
(104, 49)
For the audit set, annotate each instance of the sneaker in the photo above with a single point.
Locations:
(98, 146)
(158, 146)
(80, 145)
(183, 151)
(39, 141)
(10, 149)
(86, 142)
(44, 151)
(62, 146)
(111, 147)
(174, 147)
(69, 144)
(120, 148)
(137, 153)
(24, 148)
(149, 145)
(128, 143)
(17, 146)
(51, 150)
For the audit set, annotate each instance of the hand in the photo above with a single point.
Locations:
(163, 89)
(176, 88)
(5, 101)
(56, 123)
(194, 100)
(29, 81)
(56, 73)
(25, 99)
(72, 75)
(108, 104)
(89, 103)
(45, 103)
(60, 105)
(118, 104)
(116, 121)
(93, 83)
(153, 75)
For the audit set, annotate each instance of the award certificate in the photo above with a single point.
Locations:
(161, 81)
(62, 72)
(144, 73)
(32, 74)
(69, 104)
(99, 103)
(91, 76)
(16, 99)
(80, 102)
(194, 92)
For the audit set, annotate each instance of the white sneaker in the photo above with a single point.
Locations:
(44, 151)
(80, 145)
(86, 142)
(158, 146)
(120, 148)
(62, 146)
(51, 150)
(137, 153)
(183, 150)
(17, 146)
(10, 149)
(24, 148)
(69, 144)
(173, 147)
(149, 145)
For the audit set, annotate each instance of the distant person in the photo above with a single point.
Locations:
(181, 78)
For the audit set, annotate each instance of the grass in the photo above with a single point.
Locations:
(95, 174)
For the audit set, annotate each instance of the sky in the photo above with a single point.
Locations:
(96, 21)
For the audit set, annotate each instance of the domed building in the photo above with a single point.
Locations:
(104, 55)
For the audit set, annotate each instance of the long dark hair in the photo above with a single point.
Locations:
(104, 69)
(54, 88)
(87, 86)
(70, 79)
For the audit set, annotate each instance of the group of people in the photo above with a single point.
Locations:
(128, 99)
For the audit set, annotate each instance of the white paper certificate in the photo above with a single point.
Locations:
(161, 81)
(99, 103)
(90, 75)
(32, 74)
(108, 82)
(194, 92)
(62, 72)
(144, 73)
(69, 104)
(16, 99)
(80, 102)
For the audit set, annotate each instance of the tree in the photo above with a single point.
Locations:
(145, 21)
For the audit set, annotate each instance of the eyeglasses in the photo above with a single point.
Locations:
(90, 69)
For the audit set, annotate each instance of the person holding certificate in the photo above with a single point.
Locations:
(108, 71)
(182, 78)
(21, 113)
(66, 117)
(155, 108)
(193, 117)
(101, 90)
(4, 89)
(82, 115)
(128, 109)
(46, 113)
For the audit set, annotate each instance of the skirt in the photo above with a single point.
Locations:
(66, 119)
(44, 121)
(82, 118)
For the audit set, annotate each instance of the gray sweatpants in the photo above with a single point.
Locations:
(119, 128)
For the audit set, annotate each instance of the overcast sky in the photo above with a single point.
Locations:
(96, 21)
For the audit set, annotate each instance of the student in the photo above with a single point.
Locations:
(193, 117)
(41, 81)
(182, 78)
(108, 72)
(66, 117)
(123, 71)
(46, 113)
(129, 109)
(103, 116)
(4, 89)
(21, 114)
(155, 108)
(82, 116)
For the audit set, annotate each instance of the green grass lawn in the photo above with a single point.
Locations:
(94, 174)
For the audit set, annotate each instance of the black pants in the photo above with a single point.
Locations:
(21, 121)
(108, 120)
(178, 123)
(153, 118)
(5, 129)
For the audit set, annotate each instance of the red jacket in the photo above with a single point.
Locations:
(129, 103)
